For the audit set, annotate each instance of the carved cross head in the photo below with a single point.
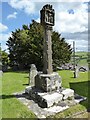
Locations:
(47, 15)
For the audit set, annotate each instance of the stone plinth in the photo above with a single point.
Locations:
(67, 93)
(48, 99)
(52, 99)
(48, 82)
(44, 99)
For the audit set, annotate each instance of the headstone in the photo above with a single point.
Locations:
(82, 69)
(32, 75)
(1, 72)
(76, 72)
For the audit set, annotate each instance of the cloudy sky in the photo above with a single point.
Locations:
(71, 19)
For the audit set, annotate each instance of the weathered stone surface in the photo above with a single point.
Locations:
(46, 112)
(1, 73)
(47, 20)
(48, 82)
(44, 99)
(28, 89)
(83, 69)
(46, 87)
(67, 93)
(33, 73)
(56, 109)
(79, 98)
(76, 72)
(53, 98)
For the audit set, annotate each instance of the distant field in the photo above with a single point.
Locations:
(83, 57)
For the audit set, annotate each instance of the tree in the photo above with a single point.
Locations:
(61, 50)
(4, 60)
(26, 47)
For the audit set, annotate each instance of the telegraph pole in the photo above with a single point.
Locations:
(74, 55)
(74, 65)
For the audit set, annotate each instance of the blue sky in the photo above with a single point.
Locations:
(71, 19)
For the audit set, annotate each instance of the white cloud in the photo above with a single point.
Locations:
(12, 15)
(80, 45)
(60, 0)
(38, 20)
(3, 27)
(3, 38)
(53, 0)
(64, 22)
(26, 5)
(5, 47)
(72, 23)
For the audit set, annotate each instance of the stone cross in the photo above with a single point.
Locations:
(32, 74)
(47, 20)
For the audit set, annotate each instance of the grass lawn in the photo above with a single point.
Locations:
(12, 108)
(16, 81)
(83, 60)
(80, 86)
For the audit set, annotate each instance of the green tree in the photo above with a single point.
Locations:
(26, 47)
(4, 60)
(61, 50)
(4, 56)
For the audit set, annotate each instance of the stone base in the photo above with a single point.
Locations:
(47, 112)
(47, 99)
(67, 94)
(48, 82)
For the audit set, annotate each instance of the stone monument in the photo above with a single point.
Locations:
(47, 90)
(47, 21)
(32, 74)
(76, 72)
(48, 80)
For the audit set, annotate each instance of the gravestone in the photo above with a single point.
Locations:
(32, 74)
(76, 72)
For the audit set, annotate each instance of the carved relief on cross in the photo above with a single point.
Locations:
(47, 15)
(47, 21)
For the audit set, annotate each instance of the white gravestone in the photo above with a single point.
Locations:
(33, 73)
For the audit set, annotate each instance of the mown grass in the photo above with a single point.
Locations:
(12, 108)
(17, 81)
(83, 59)
(80, 86)
(0, 94)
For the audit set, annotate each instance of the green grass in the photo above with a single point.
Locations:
(83, 60)
(16, 81)
(80, 86)
(0, 94)
(11, 107)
